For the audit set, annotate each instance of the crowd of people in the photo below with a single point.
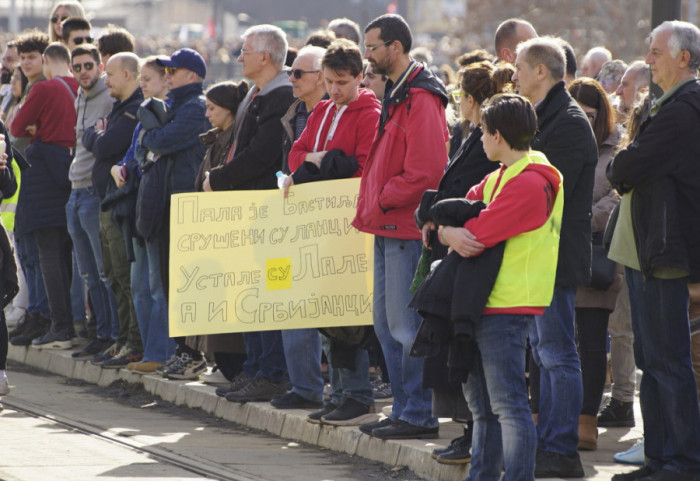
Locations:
(523, 215)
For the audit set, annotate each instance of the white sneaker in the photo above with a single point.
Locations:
(4, 386)
(634, 455)
(214, 377)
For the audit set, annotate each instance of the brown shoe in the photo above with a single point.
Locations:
(587, 433)
(144, 367)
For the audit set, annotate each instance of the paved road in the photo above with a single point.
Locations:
(42, 448)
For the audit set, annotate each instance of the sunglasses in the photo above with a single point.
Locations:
(80, 40)
(57, 19)
(171, 70)
(77, 67)
(457, 96)
(297, 72)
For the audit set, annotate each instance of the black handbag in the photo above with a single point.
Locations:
(603, 269)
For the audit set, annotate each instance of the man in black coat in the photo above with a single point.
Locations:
(566, 138)
(656, 239)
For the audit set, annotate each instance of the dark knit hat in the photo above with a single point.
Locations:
(227, 95)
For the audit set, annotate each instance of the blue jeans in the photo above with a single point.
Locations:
(561, 387)
(667, 393)
(302, 351)
(349, 383)
(82, 215)
(504, 434)
(395, 262)
(28, 254)
(77, 292)
(265, 355)
(150, 303)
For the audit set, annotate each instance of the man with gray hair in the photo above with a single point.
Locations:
(635, 78)
(656, 238)
(509, 34)
(345, 28)
(257, 156)
(593, 61)
(566, 138)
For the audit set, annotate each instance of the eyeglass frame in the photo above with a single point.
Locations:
(372, 48)
(457, 96)
(78, 67)
(56, 19)
(83, 40)
(171, 70)
(297, 72)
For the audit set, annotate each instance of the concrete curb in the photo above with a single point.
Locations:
(287, 424)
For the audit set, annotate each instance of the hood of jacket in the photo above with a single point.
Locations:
(280, 80)
(182, 94)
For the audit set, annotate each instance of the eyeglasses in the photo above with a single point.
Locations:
(297, 72)
(246, 52)
(372, 48)
(80, 40)
(457, 96)
(171, 70)
(57, 19)
(77, 67)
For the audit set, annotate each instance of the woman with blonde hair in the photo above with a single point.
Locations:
(61, 11)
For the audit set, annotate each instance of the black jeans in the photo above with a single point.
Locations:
(592, 330)
(55, 258)
(3, 341)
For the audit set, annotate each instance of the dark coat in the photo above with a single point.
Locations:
(565, 136)
(218, 144)
(466, 168)
(661, 164)
(109, 146)
(258, 154)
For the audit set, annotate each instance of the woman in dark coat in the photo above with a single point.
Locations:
(467, 167)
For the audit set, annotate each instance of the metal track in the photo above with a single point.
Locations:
(199, 467)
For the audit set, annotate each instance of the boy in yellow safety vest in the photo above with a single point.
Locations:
(524, 201)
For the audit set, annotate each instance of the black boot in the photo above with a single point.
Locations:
(617, 414)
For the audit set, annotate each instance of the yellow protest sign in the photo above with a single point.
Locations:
(253, 261)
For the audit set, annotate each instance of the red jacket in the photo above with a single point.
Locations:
(51, 108)
(353, 135)
(407, 158)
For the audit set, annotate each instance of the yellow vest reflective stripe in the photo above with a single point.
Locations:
(528, 270)
(8, 206)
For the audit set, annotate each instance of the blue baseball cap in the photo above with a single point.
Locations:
(186, 58)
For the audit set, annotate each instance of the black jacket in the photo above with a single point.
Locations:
(258, 151)
(467, 167)
(662, 165)
(565, 136)
(109, 146)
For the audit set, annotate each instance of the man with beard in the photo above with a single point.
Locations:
(10, 60)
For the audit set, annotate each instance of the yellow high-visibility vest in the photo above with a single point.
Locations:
(8, 206)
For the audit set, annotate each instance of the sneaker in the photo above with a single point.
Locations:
(640, 473)
(292, 400)
(315, 417)
(549, 464)
(617, 414)
(187, 368)
(19, 327)
(143, 367)
(94, 347)
(111, 351)
(4, 385)
(634, 455)
(403, 430)
(160, 370)
(259, 389)
(350, 413)
(458, 451)
(668, 475)
(36, 326)
(237, 384)
(370, 427)
(381, 390)
(54, 340)
(125, 357)
(215, 377)
(14, 315)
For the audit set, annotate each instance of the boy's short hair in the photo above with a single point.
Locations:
(32, 41)
(72, 24)
(115, 39)
(513, 116)
(86, 49)
(58, 52)
(343, 55)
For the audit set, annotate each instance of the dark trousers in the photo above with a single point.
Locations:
(592, 330)
(3, 341)
(56, 260)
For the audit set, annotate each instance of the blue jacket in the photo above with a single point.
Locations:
(179, 139)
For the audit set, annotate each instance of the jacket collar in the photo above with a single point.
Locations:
(183, 93)
(556, 99)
